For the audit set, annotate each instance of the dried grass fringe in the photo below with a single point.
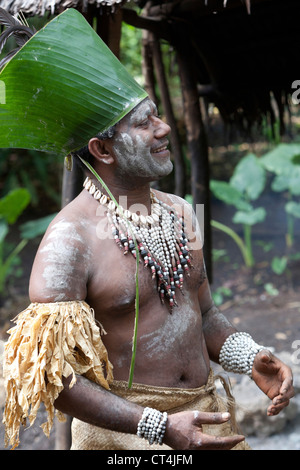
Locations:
(50, 341)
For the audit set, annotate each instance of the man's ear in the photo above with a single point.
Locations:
(101, 150)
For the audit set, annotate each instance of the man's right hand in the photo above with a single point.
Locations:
(184, 432)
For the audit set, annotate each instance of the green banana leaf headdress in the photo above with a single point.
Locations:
(62, 87)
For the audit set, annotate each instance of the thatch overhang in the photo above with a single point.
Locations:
(245, 54)
(40, 7)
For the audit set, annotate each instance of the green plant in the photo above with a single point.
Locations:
(271, 290)
(11, 207)
(245, 186)
(284, 162)
(220, 293)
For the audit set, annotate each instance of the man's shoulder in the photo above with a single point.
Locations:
(179, 204)
(71, 218)
(169, 198)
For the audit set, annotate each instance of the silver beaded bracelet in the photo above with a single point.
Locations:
(152, 425)
(238, 352)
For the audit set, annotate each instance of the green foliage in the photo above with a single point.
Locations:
(35, 228)
(220, 294)
(39, 173)
(284, 163)
(11, 207)
(131, 51)
(245, 186)
(13, 204)
(270, 289)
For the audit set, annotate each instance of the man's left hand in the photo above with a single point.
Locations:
(275, 379)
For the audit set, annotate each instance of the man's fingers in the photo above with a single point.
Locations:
(207, 442)
(287, 387)
(277, 406)
(202, 417)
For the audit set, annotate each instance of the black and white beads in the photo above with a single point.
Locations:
(152, 425)
(160, 238)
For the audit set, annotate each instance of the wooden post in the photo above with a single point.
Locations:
(197, 145)
(147, 66)
(179, 167)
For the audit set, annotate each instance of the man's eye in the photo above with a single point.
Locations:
(144, 123)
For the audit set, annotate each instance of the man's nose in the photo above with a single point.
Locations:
(162, 129)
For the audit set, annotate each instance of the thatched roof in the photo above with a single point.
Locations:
(245, 54)
(39, 7)
(244, 51)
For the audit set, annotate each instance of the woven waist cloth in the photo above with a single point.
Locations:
(88, 437)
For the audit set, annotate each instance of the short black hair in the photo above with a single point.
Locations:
(84, 152)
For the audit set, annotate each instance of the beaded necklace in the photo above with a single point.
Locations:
(160, 238)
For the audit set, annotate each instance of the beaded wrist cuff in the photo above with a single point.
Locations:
(238, 352)
(152, 425)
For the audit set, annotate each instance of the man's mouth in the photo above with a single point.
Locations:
(161, 149)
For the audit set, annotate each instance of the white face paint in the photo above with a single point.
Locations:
(141, 143)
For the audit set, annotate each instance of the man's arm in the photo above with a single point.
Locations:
(271, 375)
(216, 327)
(90, 403)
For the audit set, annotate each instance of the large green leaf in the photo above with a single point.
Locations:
(34, 228)
(293, 208)
(13, 204)
(249, 177)
(63, 87)
(250, 218)
(282, 159)
(228, 194)
(288, 181)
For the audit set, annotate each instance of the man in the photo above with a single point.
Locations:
(79, 271)
(173, 350)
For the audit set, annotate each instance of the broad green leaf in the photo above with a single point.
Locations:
(250, 218)
(13, 204)
(228, 194)
(249, 177)
(293, 208)
(35, 228)
(279, 265)
(294, 185)
(63, 87)
(288, 181)
(280, 159)
(270, 289)
(296, 159)
(280, 183)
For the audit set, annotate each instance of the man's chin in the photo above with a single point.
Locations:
(163, 171)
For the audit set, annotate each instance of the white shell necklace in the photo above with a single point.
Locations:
(160, 237)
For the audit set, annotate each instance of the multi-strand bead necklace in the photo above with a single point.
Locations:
(160, 238)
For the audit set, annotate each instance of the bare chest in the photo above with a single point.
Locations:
(116, 277)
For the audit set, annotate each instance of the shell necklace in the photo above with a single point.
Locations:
(160, 237)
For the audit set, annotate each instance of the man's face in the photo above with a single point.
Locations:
(140, 144)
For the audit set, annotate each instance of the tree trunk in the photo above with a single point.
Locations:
(198, 148)
(179, 167)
